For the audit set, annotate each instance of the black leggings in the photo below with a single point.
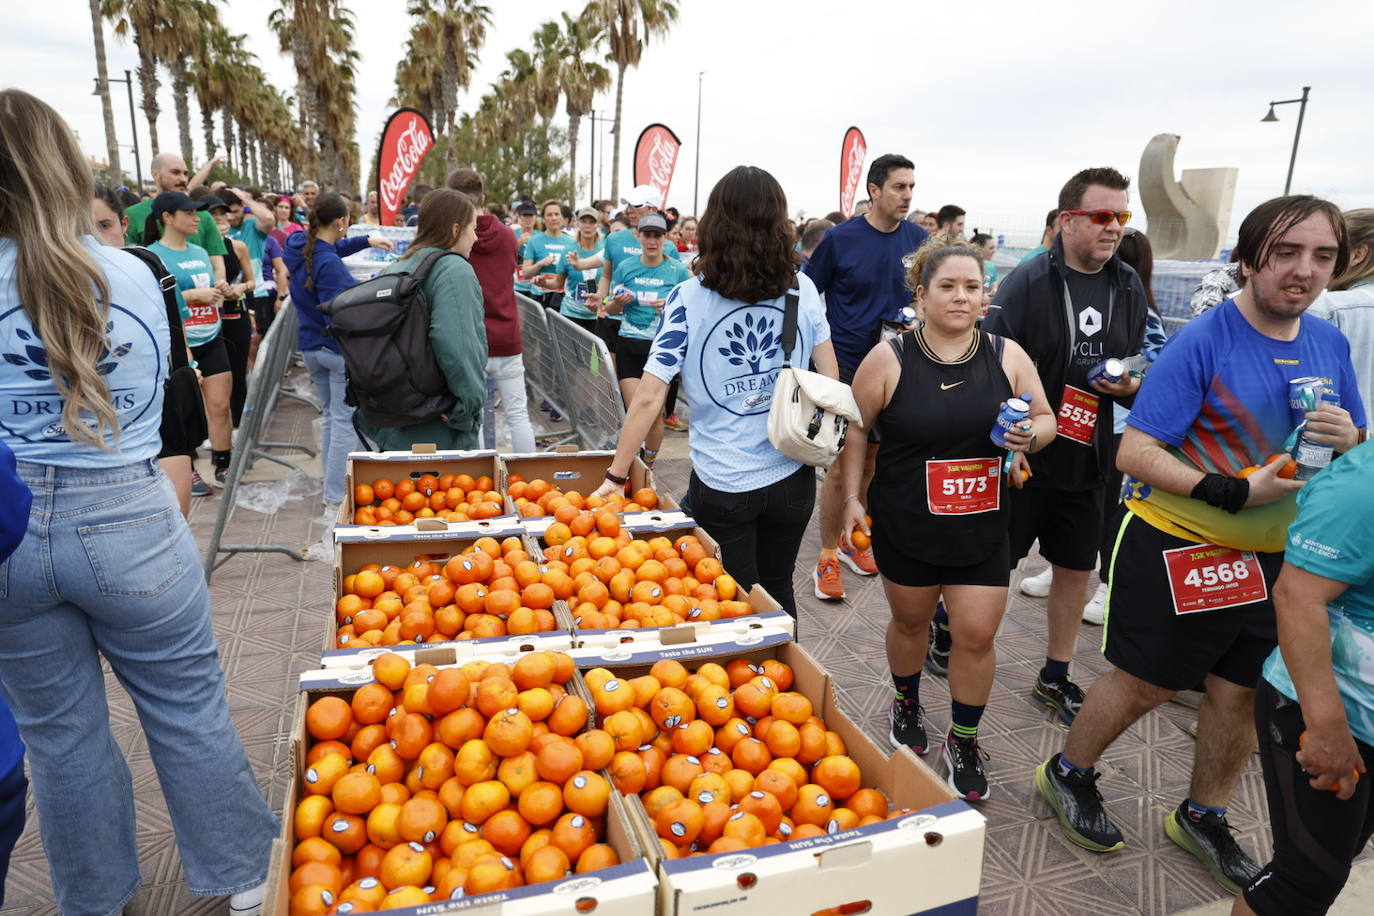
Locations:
(759, 531)
(1316, 835)
(238, 338)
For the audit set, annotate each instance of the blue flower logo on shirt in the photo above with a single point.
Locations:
(740, 359)
(35, 355)
(669, 343)
(749, 345)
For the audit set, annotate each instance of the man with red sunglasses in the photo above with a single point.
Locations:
(1071, 307)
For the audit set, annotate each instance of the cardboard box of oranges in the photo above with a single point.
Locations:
(396, 488)
(467, 585)
(754, 792)
(420, 785)
(629, 578)
(535, 486)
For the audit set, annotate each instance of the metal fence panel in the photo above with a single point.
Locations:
(592, 394)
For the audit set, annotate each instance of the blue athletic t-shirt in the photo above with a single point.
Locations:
(729, 355)
(1332, 538)
(255, 239)
(134, 368)
(1218, 398)
(650, 286)
(539, 247)
(860, 272)
(193, 270)
(574, 279)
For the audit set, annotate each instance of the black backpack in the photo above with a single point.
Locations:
(382, 327)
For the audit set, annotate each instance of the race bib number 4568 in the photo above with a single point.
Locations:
(1205, 577)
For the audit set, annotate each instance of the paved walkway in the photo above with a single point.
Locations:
(269, 617)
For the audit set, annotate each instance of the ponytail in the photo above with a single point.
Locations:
(328, 208)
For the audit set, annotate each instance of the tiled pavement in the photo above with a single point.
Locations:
(267, 618)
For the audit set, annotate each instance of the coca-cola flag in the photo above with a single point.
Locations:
(405, 141)
(655, 158)
(853, 152)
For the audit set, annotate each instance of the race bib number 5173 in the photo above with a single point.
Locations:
(1205, 577)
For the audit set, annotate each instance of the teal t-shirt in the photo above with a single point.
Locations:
(523, 286)
(541, 246)
(1332, 538)
(650, 286)
(193, 270)
(621, 246)
(250, 235)
(574, 279)
(207, 236)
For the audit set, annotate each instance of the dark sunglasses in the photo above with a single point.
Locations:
(1103, 217)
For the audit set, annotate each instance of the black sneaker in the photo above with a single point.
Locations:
(1079, 805)
(1210, 840)
(937, 653)
(907, 728)
(964, 768)
(1064, 697)
(221, 477)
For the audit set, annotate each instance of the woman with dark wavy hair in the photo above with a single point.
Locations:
(721, 330)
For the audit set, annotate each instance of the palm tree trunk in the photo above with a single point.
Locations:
(615, 150)
(181, 101)
(148, 86)
(244, 146)
(228, 122)
(253, 160)
(111, 140)
(207, 127)
(574, 122)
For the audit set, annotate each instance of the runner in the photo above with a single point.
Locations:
(544, 258)
(171, 174)
(1315, 710)
(525, 231)
(1197, 554)
(578, 284)
(1071, 308)
(858, 268)
(236, 327)
(935, 393)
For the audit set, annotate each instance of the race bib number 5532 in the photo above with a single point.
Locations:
(1205, 577)
(1077, 418)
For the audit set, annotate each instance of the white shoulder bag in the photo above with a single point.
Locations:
(810, 413)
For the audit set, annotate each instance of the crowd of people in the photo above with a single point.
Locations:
(998, 411)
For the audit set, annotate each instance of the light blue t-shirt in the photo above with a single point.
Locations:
(572, 305)
(193, 270)
(729, 354)
(1332, 538)
(541, 246)
(650, 286)
(134, 367)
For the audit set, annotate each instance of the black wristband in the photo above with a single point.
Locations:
(614, 479)
(1228, 493)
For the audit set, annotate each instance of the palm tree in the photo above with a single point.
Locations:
(103, 87)
(629, 25)
(297, 24)
(144, 19)
(457, 29)
(581, 78)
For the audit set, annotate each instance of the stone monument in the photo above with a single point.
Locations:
(1186, 220)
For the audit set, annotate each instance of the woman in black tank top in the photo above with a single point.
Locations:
(937, 498)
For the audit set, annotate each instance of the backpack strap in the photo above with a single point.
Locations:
(168, 284)
(421, 273)
(789, 325)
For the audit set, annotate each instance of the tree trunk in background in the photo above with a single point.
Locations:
(615, 152)
(254, 176)
(574, 121)
(207, 127)
(227, 121)
(181, 101)
(111, 139)
(245, 144)
(147, 84)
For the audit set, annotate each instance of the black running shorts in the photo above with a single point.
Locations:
(631, 355)
(212, 358)
(1145, 636)
(1068, 524)
(903, 569)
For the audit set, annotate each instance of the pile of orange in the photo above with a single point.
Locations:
(538, 498)
(1289, 468)
(431, 784)
(620, 582)
(728, 757)
(490, 589)
(452, 497)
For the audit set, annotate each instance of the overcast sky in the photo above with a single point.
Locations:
(997, 102)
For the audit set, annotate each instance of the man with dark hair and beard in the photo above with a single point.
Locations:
(1202, 542)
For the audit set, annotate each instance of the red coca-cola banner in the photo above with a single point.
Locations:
(655, 158)
(405, 141)
(853, 152)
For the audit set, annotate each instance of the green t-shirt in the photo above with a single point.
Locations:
(208, 237)
(650, 286)
(193, 270)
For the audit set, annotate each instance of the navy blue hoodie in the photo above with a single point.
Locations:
(331, 278)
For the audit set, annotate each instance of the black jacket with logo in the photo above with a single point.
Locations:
(1030, 309)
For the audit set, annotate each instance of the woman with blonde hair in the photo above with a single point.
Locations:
(108, 566)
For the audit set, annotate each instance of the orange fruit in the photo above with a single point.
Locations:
(312, 900)
(558, 760)
(679, 822)
(541, 803)
(813, 806)
(321, 776)
(627, 772)
(573, 833)
(421, 819)
(751, 755)
(328, 718)
(1289, 468)
(357, 793)
(597, 747)
(838, 775)
(587, 793)
(791, 707)
(669, 672)
(548, 863)
(867, 803)
(569, 716)
(508, 733)
(746, 828)
(646, 498)
(315, 849)
(346, 831)
(390, 670)
(765, 807)
(783, 739)
(407, 864)
(693, 738)
(778, 784)
(670, 707)
(474, 762)
(483, 799)
(507, 831)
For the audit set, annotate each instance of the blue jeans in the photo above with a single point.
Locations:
(109, 567)
(339, 437)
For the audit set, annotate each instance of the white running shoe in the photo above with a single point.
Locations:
(1038, 586)
(247, 903)
(1094, 612)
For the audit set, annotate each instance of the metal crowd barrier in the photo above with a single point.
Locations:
(264, 386)
(543, 371)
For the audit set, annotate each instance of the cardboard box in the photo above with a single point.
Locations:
(928, 861)
(357, 546)
(368, 467)
(626, 889)
(572, 470)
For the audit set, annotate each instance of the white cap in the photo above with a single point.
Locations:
(644, 195)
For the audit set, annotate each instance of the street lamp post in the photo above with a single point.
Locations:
(1302, 110)
(696, 181)
(133, 122)
(594, 120)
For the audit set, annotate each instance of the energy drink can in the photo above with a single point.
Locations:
(1110, 369)
(1012, 414)
(1304, 394)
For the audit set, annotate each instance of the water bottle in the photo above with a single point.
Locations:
(1310, 455)
(1139, 364)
